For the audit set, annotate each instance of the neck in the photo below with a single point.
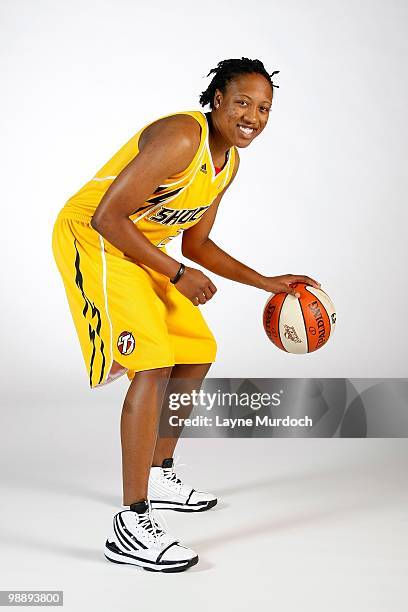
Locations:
(218, 145)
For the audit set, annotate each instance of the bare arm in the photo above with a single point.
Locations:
(166, 148)
(198, 247)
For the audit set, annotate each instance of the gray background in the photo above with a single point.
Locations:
(321, 192)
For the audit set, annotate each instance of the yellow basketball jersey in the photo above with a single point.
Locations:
(176, 205)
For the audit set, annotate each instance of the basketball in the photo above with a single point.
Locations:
(300, 325)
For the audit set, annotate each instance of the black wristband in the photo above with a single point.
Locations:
(179, 274)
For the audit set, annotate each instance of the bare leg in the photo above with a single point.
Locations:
(139, 425)
(190, 378)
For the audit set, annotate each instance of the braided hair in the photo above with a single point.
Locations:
(227, 70)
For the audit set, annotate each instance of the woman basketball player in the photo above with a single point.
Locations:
(135, 307)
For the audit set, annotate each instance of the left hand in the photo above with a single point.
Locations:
(282, 284)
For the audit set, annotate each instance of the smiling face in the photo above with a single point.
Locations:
(242, 111)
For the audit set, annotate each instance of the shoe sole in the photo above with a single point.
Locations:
(164, 505)
(149, 566)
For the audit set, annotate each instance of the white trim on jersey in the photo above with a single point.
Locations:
(215, 176)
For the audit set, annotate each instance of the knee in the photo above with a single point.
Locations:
(150, 374)
(158, 373)
(146, 388)
(196, 371)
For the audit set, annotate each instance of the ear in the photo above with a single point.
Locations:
(218, 98)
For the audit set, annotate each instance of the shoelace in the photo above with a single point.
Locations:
(150, 523)
(170, 473)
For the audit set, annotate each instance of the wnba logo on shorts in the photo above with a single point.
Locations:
(126, 343)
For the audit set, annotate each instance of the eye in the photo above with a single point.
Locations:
(242, 102)
(264, 109)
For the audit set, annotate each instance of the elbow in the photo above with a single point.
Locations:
(184, 251)
(94, 223)
(98, 223)
(189, 253)
(194, 250)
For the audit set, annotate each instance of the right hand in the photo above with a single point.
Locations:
(195, 286)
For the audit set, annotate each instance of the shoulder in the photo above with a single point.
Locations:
(171, 142)
(182, 132)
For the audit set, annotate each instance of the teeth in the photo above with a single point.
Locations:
(246, 130)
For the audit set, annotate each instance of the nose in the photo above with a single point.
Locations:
(250, 114)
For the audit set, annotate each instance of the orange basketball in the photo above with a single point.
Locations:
(300, 325)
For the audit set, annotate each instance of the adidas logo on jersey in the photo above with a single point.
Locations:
(204, 168)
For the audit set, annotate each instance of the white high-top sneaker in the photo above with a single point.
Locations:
(138, 539)
(166, 491)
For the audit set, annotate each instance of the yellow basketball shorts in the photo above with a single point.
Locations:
(124, 312)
